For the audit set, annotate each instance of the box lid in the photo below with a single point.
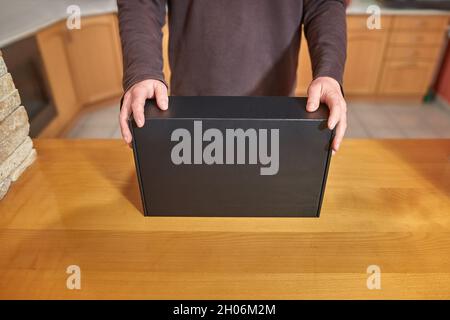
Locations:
(216, 107)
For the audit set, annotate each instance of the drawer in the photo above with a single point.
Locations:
(416, 38)
(417, 53)
(413, 23)
(359, 23)
(406, 78)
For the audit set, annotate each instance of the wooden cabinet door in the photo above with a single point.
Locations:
(365, 51)
(95, 58)
(406, 78)
(420, 23)
(52, 45)
(166, 66)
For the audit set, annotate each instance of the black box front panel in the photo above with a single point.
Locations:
(233, 189)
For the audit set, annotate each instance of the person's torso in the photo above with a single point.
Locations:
(234, 47)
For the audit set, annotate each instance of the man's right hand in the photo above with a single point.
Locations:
(134, 101)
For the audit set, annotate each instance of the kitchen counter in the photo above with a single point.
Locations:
(19, 19)
(386, 204)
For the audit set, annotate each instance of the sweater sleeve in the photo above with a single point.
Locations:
(140, 24)
(326, 32)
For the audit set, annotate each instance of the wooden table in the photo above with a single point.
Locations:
(386, 204)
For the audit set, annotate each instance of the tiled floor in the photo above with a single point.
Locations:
(101, 123)
(365, 120)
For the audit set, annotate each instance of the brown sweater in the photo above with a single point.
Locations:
(231, 47)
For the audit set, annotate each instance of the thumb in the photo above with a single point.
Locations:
(314, 92)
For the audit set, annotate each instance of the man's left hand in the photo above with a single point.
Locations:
(328, 91)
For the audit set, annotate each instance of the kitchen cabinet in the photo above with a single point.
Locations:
(397, 60)
(94, 54)
(52, 46)
(419, 53)
(166, 66)
(84, 66)
(416, 39)
(364, 60)
(422, 22)
(412, 54)
(406, 77)
(365, 49)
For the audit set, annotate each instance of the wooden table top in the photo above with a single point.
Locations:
(386, 204)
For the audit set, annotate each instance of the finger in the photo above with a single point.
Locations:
(334, 104)
(161, 96)
(139, 96)
(314, 93)
(340, 132)
(125, 112)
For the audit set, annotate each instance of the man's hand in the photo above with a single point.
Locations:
(134, 101)
(328, 91)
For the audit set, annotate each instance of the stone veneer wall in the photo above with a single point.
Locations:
(16, 147)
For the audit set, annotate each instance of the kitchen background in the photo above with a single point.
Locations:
(397, 80)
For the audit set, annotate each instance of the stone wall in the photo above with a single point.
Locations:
(16, 147)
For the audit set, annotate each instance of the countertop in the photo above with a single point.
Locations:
(21, 18)
(386, 204)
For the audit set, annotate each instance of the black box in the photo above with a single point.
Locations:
(184, 170)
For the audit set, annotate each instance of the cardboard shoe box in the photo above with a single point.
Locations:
(232, 156)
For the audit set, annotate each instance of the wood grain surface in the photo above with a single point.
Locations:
(386, 204)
